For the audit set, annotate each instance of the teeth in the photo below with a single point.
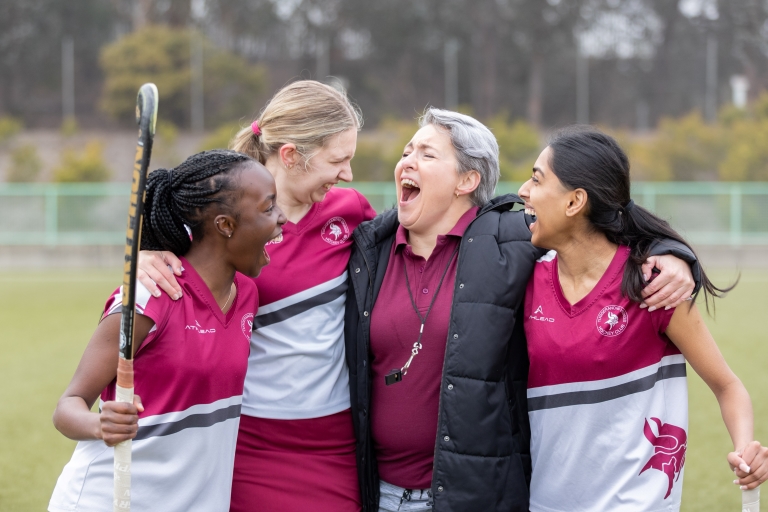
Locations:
(408, 183)
(531, 212)
(276, 240)
(328, 186)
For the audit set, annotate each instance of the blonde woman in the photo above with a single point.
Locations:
(296, 446)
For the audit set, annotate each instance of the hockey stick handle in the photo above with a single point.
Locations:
(750, 500)
(123, 393)
(146, 117)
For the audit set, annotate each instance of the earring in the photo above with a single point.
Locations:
(457, 195)
(230, 235)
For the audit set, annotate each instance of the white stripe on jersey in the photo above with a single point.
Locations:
(172, 417)
(204, 454)
(292, 375)
(602, 447)
(571, 387)
(142, 298)
(301, 296)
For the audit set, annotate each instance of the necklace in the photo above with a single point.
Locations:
(396, 375)
(231, 289)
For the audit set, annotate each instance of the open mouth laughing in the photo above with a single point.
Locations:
(530, 214)
(274, 240)
(409, 190)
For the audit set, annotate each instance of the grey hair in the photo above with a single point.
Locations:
(476, 148)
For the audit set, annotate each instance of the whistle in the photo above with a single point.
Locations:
(393, 377)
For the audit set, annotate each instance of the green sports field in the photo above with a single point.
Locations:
(46, 319)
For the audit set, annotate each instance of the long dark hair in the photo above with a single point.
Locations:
(179, 198)
(583, 157)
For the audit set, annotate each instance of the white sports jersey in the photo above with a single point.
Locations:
(189, 372)
(607, 399)
(297, 368)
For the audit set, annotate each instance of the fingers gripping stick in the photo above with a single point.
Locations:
(146, 117)
(750, 500)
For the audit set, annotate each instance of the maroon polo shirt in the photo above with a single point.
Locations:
(404, 415)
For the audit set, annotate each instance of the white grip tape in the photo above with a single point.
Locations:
(122, 496)
(750, 500)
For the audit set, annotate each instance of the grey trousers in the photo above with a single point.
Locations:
(397, 499)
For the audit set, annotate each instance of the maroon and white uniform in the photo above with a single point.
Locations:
(296, 444)
(607, 398)
(189, 372)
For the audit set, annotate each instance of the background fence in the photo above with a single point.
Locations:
(716, 213)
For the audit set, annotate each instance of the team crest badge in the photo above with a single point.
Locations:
(246, 324)
(335, 231)
(612, 320)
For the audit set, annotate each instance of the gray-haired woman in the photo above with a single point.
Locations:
(434, 339)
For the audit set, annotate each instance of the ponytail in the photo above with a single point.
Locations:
(585, 158)
(305, 113)
(177, 199)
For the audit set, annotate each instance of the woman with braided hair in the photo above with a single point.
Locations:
(296, 447)
(215, 212)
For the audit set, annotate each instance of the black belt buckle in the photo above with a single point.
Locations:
(393, 377)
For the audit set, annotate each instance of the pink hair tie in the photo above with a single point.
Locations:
(255, 128)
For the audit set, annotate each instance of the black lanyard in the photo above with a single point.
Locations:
(396, 375)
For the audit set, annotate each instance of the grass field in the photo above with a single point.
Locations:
(47, 318)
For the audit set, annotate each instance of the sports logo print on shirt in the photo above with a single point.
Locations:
(612, 320)
(542, 318)
(246, 324)
(668, 450)
(197, 327)
(335, 231)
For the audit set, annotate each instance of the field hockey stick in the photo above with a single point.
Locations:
(750, 500)
(146, 117)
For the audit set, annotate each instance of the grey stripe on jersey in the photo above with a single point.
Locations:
(191, 421)
(300, 307)
(603, 395)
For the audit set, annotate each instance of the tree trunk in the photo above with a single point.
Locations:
(535, 88)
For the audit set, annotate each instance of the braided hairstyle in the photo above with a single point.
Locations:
(179, 198)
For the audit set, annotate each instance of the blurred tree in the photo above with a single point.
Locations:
(519, 146)
(9, 127)
(86, 167)
(31, 49)
(25, 164)
(161, 55)
(220, 137)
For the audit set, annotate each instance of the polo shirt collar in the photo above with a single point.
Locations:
(401, 237)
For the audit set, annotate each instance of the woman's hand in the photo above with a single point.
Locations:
(154, 272)
(750, 465)
(120, 421)
(673, 286)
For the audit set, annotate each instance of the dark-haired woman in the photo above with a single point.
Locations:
(607, 395)
(191, 355)
(296, 447)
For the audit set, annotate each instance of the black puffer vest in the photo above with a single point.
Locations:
(485, 463)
